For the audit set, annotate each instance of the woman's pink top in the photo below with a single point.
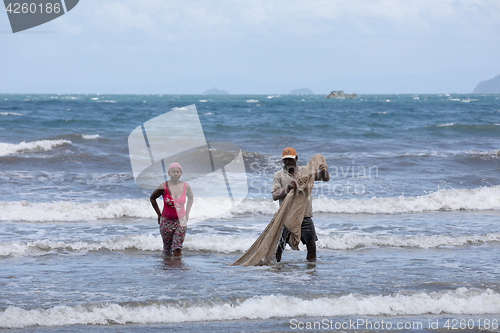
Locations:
(173, 208)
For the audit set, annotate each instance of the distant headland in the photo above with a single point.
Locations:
(488, 87)
(215, 91)
(302, 91)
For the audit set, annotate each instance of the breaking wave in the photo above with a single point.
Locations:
(353, 240)
(90, 136)
(149, 242)
(482, 198)
(45, 145)
(240, 243)
(11, 114)
(457, 302)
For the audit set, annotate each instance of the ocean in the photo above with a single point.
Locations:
(408, 225)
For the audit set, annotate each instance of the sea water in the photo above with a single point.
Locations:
(408, 225)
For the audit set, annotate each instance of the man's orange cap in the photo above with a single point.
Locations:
(288, 152)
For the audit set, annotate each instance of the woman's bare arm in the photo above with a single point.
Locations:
(155, 195)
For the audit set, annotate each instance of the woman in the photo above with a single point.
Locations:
(173, 220)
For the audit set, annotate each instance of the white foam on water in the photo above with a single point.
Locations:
(461, 301)
(11, 114)
(445, 125)
(12, 148)
(138, 242)
(253, 101)
(59, 211)
(145, 242)
(353, 240)
(482, 198)
(219, 243)
(433, 153)
(256, 206)
(90, 136)
(224, 243)
(72, 211)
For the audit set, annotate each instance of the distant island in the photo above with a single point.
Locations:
(489, 86)
(302, 91)
(215, 91)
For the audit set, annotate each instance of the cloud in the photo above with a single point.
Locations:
(156, 18)
(119, 16)
(221, 19)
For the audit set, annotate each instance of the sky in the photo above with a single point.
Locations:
(256, 47)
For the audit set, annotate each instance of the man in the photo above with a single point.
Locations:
(283, 182)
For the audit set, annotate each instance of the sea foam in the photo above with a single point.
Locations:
(223, 243)
(72, 211)
(11, 114)
(60, 211)
(482, 198)
(461, 301)
(12, 148)
(145, 242)
(139, 242)
(355, 240)
(90, 136)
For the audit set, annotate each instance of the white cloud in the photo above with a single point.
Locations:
(210, 19)
(118, 16)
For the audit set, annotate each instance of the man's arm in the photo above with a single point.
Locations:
(322, 175)
(278, 190)
(282, 192)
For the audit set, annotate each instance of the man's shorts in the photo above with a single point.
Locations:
(307, 232)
